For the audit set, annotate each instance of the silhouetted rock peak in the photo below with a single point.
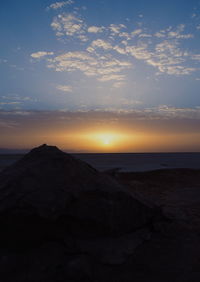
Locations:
(50, 184)
(46, 151)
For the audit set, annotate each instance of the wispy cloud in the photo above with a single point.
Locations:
(64, 88)
(112, 77)
(41, 54)
(10, 103)
(69, 25)
(96, 29)
(116, 28)
(61, 4)
(103, 67)
(4, 61)
(102, 57)
(119, 84)
(99, 43)
(136, 32)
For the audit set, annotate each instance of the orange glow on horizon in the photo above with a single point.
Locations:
(113, 139)
(105, 140)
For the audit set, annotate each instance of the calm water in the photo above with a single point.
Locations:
(128, 162)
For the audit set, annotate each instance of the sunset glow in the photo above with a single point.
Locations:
(100, 76)
(106, 140)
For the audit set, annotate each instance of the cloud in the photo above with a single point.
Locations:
(64, 88)
(119, 84)
(116, 28)
(145, 35)
(16, 97)
(3, 61)
(58, 5)
(99, 43)
(119, 50)
(102, 67)
(125, 35)
(95, 29)
(176, 33)
(112, 77)
(174, 112)
(161, 49)
(177, 70)
(136, 32)
(139, 52)
(41, 54)
(69, 25)
(10, 103)
(7, 124)
(195, 57)
(160, 34)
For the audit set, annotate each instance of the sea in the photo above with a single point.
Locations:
(126, 162)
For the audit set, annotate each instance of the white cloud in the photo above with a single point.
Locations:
(139, 52)
(95, 29)
(112, 77)
(178, 70)
(40, 54)
(125, 35)
(174, 34)
(10, 103)
(101, 67)
(119, 50)
(64, 88)
(136, 32)
(58, 5)
(116, 28)
(145, 35)
(160, 34)
(69, 25)
(119, 84)
(161, 50)
(196, 57)
(99, 43)
(173, 112)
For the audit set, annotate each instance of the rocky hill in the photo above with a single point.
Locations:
(51, 202)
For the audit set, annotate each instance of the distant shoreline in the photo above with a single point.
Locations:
(127, 162)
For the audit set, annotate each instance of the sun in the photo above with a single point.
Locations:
(106, 139)
(102, 141)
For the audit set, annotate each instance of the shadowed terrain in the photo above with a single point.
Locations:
(62, 220)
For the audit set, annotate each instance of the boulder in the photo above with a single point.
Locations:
(48, 194)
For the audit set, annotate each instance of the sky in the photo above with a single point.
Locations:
(100, 76)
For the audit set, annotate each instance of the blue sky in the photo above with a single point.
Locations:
(121, 54)
(110, 56)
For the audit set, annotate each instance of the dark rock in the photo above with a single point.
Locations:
(49, 193)
(79, 268)
(114, 251)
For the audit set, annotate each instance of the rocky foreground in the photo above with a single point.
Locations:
(62, 220)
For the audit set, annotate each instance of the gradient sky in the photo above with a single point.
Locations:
(73, 72)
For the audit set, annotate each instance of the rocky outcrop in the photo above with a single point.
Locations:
(49, 196)
(48, 185)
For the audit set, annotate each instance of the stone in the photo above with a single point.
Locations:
(49, 193)
(79, 268)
